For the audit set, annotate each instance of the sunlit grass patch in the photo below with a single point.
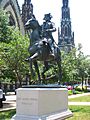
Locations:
(80, 99)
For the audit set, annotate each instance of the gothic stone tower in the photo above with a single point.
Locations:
(65, 36)
(27, 10)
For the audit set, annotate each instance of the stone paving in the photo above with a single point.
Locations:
(79, 103)
(8, 106)
(10, 102)
(79, 95)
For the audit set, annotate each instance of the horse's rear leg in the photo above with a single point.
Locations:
(59, 66)
(59, 70)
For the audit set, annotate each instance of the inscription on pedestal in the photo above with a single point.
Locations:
(26, 101)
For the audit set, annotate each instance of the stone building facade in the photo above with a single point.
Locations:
(18, 18)
(12, 7)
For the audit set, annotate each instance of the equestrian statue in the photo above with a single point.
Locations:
(43, 46)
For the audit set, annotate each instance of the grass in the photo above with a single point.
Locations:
(7, 115)
(80, 112)
(80, 99)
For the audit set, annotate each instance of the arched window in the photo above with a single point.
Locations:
(66, 31)
(11, 21)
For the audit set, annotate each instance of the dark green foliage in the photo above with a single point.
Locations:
(5, 31)
(13, 51)
(7, 115)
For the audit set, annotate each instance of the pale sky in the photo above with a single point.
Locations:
(79, 13)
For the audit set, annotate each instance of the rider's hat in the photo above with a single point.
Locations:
(46, 16)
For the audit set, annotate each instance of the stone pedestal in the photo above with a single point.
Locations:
(42, 104)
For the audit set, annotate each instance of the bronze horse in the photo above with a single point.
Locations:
(40, 50)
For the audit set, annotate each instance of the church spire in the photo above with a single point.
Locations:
(65, 3)
(27, 10)
(27, 1)
(66, 36)
(65, 10)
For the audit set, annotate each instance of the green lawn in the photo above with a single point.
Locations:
(80, 112)
(7, 115)
(80, 99)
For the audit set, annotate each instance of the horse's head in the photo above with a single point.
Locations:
(32, 24)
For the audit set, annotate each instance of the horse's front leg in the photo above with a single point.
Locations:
(31, 69)
(33, 59)
(37, 70)
(45, 68)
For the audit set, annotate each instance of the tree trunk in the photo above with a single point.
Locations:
(19, 79)
(82, 82)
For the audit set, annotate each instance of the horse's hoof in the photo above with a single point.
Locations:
(27, 60)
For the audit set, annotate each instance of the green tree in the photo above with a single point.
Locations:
(82, 64)
(13, 55)
(13, 51)
(69, 70)
(5, 31)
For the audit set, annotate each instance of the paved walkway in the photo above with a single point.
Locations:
(79, 103)
(79, 95)
(10, 103)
